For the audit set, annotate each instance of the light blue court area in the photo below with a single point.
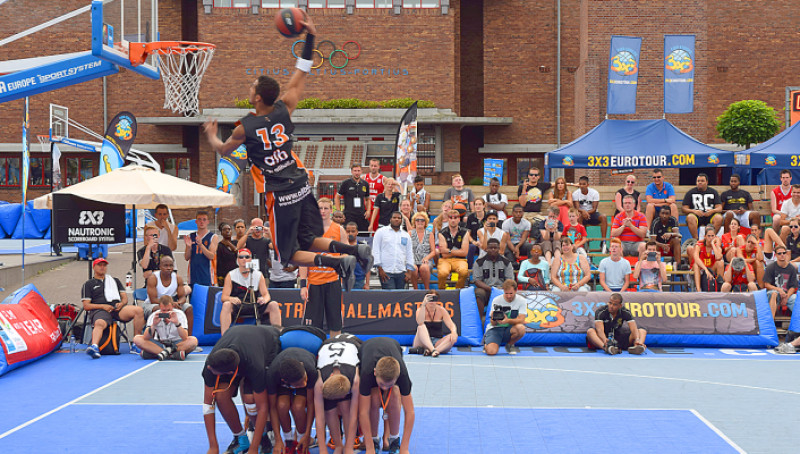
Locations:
(466, 402)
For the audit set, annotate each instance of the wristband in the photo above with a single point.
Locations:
(308, 48)
(303, 283)
(304, 65)
(208, 409)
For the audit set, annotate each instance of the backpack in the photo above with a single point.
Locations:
(65, 315)
(109, 340)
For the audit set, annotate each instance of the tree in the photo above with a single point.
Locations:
(747, 122)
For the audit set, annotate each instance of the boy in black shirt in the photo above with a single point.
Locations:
(288, 380)
(738, 203)
(665, 233)
(610, 331)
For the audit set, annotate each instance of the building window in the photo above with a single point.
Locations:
(525, 164)
(373, 3)
(280, 3)
(40, 172)
(232, 3)
(177, 167)
(80, 169)
(326, 3)
(9, 171)
(421, 3)
(426, 149)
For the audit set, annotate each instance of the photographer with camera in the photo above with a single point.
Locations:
(611, 333)
(165, 335)
(432, 318)
(258, 243)
(650, 270)
(507, 321)
(245, 293)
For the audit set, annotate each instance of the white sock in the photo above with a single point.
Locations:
(288, 435)
(393, 437)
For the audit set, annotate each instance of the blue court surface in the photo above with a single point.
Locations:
(551, 401)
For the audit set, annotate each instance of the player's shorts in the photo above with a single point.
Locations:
(744, 219)
(286, 391)
(100, 314)
(324, 302)
(703, 221)
(331, 404)
(594, 219)
(294, 221)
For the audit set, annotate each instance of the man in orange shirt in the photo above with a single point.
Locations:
(320, 286)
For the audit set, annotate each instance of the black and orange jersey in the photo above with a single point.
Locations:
(268, 140)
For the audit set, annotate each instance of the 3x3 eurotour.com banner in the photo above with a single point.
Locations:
(679, 63)
(623, 74)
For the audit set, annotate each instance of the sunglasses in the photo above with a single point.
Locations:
(794, 226)
(155, 235)
(419, 220)
(244, 257)
(455, 217)
(630, 182)
(780, 253)
(533, 174)
(658, 177)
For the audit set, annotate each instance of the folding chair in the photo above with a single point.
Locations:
(87, 329)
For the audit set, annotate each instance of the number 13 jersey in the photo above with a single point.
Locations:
(268, 140)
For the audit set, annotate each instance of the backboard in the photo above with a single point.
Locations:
(59, 121)
(116, 23)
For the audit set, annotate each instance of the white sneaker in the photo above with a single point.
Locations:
(785, 349)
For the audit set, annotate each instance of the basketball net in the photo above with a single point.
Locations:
(182, 69)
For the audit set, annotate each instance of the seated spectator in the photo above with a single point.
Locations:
(707, 261)
(491, 229)
(793, 241)
(659, 194)
(457, 193)
(630, 226)
(506, 321)
(576, 232)
(474, 222)
(290, 387)
(534, 273)
(167, 282)
(790, 210)
(561, 198)
(628, 189)
(245, 294)
(495, 200)
(226, 253)
(407, 212)
(665, 233)
(615, 271)
(531, 193)
(432, 318)
(586, 200)
(702, 206)
(768, 240)
(754, 257)
(150, 254)
(386, 203)
(732, 241)
(780, 280)
(165, 335)
(338, 217)
(738, 277)
(738, 204)
(453, 246)
(167, 231)
(570, 272)
(550, 233)
(439, 222)
(362, 275)
(518, 230)
(393, 254)
(419, 197)
(650, 270)
(490, 271)
(105, 301)
(780, 194)
(611, 333)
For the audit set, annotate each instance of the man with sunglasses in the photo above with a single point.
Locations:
(531, 193)
(239, 360)
(780, 280)
(150, 254)
(659, 194)
(453, 247)
(258, 244)
(245, 293)
(288, 379)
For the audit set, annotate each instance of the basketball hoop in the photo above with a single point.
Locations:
(182, 66)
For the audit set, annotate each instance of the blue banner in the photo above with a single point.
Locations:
(623, 74)
(679, 63)
(26, 155)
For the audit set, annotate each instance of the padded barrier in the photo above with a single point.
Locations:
(41, 218)
(367, 313)
(31, 231)
(9, 216)
(794, 323)
(28, 329)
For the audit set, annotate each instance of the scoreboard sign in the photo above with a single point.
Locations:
(794, 116)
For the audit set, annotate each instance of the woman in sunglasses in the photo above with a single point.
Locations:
(630, 183)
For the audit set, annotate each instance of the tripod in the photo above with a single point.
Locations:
(249, 299)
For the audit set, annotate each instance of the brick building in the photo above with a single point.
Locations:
(492, 68)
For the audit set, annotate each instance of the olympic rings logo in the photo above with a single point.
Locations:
(335, 52)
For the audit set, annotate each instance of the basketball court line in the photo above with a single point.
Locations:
(60, 407)
(717, 431)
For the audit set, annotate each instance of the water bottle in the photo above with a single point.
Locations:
(128, 282)
(72, 343)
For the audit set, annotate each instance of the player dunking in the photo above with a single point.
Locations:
(295, 222)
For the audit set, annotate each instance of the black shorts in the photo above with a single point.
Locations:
(703, 221)
(294, 221)
(324, 301)
(249, 310)
(594, 219)
(99, 314)
(284, 391)
(331, 404)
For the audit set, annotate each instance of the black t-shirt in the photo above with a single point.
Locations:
(701, 200)
(274, 382)
(733, 200)
(453, 241)
(339, 351)
(155, 258)
(535, 196)
(784, 278)
(373, 350)
(793, 245)
(659, 229)
(95, 291)
(386, 206)
(260, 250)
(612, 323)
(473, 224)
(622, 192)
(256, 345)
(350, 191)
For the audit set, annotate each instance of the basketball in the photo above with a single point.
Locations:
(288, 22)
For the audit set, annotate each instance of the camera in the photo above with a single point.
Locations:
(613, 342)
(652, 256)
(431, 297)
(163, 315)
(252, 265)
(491, 224)
(499, 312)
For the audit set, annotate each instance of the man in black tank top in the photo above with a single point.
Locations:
(336, 391)
(282, 177)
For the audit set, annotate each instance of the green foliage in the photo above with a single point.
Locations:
(476, 181)
(747, 122)
(348, 103)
